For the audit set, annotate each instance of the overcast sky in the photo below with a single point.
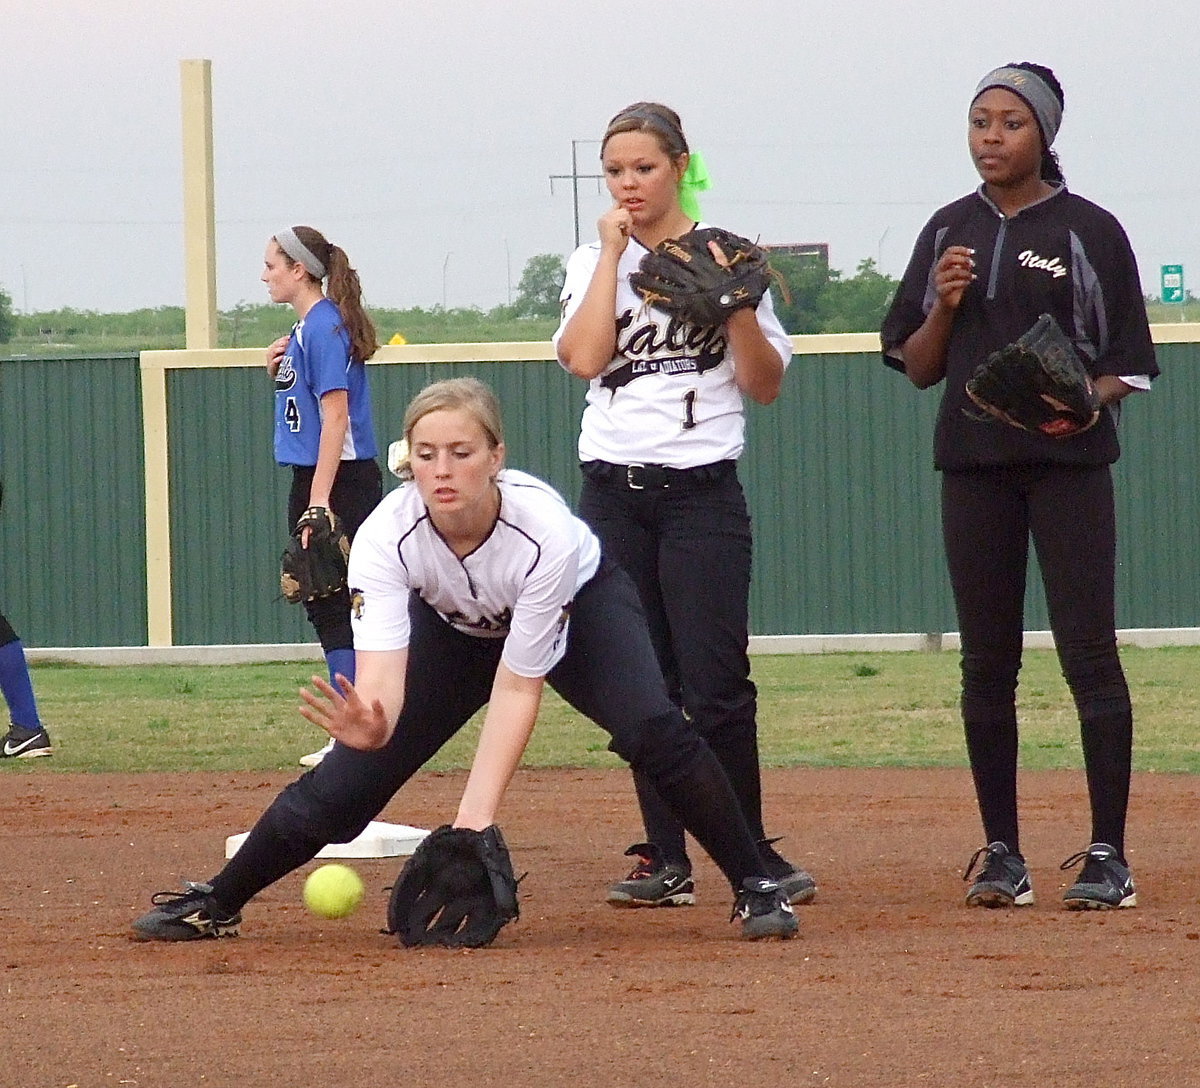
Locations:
(420, 135)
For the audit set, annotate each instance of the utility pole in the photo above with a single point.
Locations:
(575, 177)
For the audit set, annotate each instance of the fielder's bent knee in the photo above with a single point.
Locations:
(660, 748)
(302, 810)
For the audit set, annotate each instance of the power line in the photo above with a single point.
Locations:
(575, 177)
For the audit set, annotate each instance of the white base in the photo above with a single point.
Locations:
(379, 840)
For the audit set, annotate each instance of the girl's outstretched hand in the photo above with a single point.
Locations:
(344, 716)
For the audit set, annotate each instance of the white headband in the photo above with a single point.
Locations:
(298, 251)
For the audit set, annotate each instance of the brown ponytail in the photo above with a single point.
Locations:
(344, 290)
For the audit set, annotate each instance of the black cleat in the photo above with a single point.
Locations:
(765, 912)
(1105, 882)
(653, 882)
(1003, 880)
(23, 743)
(189, 915)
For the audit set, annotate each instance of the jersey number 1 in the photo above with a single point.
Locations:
(689, 409)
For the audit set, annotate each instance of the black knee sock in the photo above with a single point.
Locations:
(1107, 754)
(1101, 694)
(698, 791)
(662, 825)
(992, 748)
(736, 749)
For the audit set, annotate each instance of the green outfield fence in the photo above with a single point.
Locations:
(142, 506)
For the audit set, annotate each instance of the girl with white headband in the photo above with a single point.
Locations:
(983, 270)
(323, 426)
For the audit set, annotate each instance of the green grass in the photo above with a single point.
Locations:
(901, 710)
(827, 710)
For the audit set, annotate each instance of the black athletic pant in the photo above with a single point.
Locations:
(687, 546)
(608, 674)
(988, 518)
(357, 489)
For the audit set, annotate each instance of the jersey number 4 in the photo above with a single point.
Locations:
(291, 414)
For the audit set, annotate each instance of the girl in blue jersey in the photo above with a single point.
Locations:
(323, 426)
(475, 586)
(983, 270)
(27, 737)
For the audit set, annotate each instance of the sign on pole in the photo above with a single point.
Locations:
(1172, 283)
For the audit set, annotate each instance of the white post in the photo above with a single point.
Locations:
(199, 218)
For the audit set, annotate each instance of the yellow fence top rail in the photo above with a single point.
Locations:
(836, 343)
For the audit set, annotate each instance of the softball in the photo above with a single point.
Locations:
(333, 891)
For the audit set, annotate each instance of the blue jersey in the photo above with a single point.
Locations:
(317, 361)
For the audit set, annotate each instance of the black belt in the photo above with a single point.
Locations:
(642, 477)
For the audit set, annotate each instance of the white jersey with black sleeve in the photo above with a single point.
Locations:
(669, 395)
(517, 585)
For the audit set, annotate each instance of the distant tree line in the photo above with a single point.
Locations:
(532, 315)
(814, 298)
(810, 297)
(7, 321)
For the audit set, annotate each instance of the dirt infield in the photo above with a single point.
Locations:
(892, 981)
